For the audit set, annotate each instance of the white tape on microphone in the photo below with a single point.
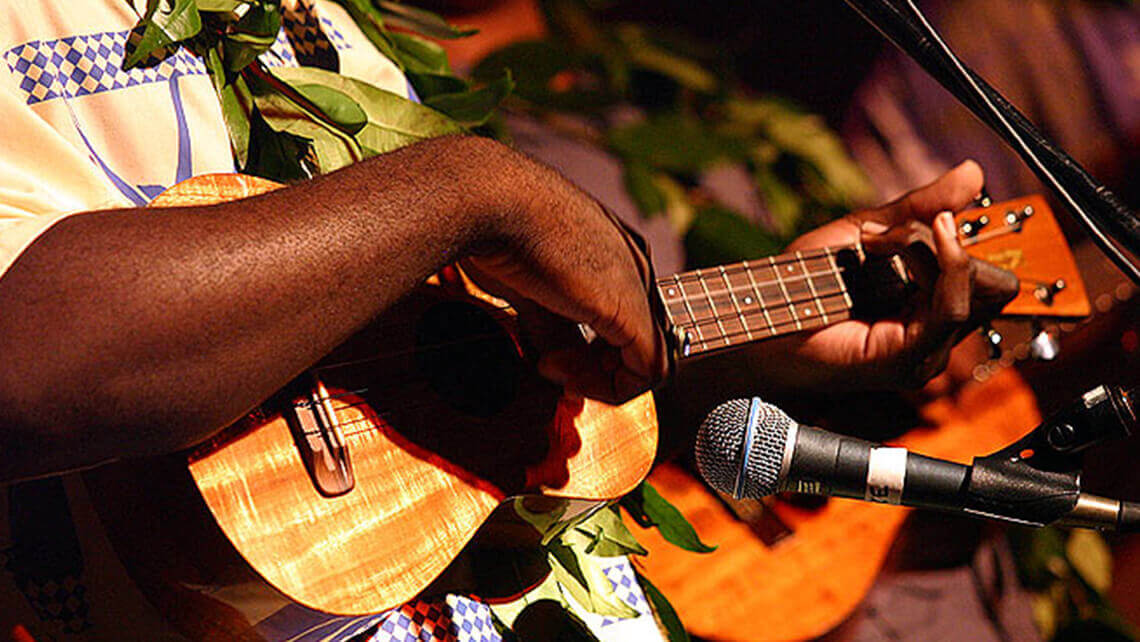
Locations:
(886, 475)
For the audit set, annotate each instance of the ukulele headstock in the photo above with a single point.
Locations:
(1022, 236)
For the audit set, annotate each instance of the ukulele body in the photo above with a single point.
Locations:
(355, 486)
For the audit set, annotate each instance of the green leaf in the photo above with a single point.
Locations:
(1091, 559)
(807, 137)
(584, 579)
(165, 23)
(642, 187)
(428, 85)
(371, 23)
(333, 149)
(393, 121)
(603, 534)
(421, 21)
(335, 105)
(475, 107)
(419, 55)
(648, 508)
(720, 235)
(645, 54)
(251, 36)
(276, 155)
(220, 6)
(664, 610)
(674, 143)
(236, 102)
(1037, 552)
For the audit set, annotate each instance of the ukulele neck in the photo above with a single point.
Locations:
(721, 307)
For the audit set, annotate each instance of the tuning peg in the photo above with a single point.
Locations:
(1046, 291)
(971, 227)
(983, 199)
(993, 340)
(1044, 346)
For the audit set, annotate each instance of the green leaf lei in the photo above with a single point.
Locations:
(288, 124)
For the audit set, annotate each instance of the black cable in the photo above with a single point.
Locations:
(1090, 201)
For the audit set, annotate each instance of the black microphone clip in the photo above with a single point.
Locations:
(1045, 465)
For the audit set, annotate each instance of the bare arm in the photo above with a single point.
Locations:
(138, 332)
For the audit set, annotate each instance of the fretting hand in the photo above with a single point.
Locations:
(955, 295)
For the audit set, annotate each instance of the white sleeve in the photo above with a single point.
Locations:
(43, 177)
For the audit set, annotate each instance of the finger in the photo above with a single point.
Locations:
(994, 288)
(949, 309)
(914, 242)
(952, 191)
(594, 371)
(630, 327)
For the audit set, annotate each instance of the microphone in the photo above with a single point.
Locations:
(750, 449)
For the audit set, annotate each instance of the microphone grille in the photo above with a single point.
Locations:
(721, 443)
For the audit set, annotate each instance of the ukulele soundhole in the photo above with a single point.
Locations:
(468, 358)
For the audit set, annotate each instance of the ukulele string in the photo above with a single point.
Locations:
(470, 339)
(474, 338)
(386, 414)
(662, 284)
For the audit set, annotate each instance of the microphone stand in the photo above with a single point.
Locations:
(1100, 211)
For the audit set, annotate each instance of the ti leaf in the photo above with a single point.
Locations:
(333, 148)
(428, 85)
(335, 105)
(647, 55)
(421, 21)
(474, 107)
(393, 121)
(236, 102)
(275, 155)
(220, 6)
(665, 611)
(252, 35)
(583, 578)
(603, 535)
(165, 23)
(419, 55)
(648, 508)
(371, 23)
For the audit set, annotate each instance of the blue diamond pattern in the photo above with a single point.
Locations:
(90, 64)
(452, 618)
(621, 577)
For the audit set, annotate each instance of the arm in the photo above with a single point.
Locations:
(139, 332)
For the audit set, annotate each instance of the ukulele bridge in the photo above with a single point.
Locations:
(320, 441)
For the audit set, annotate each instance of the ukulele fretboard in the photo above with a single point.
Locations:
(733, 304)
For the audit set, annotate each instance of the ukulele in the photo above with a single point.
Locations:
(828, 554)
(353, 488)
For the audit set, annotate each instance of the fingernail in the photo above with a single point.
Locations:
(946, 220)
(873, 227)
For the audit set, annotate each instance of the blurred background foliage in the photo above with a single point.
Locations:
(1069, 574)
(667, 105)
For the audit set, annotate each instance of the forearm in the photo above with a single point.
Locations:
(137, 332)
